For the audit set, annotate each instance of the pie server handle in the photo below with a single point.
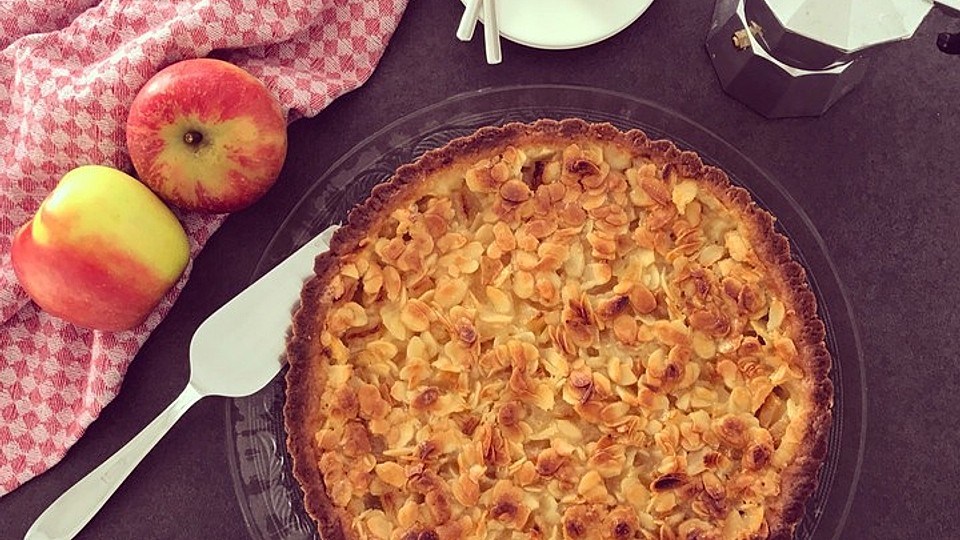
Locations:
(63, 519)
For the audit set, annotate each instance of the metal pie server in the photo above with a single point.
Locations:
(235, 352)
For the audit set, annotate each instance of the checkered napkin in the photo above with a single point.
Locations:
(69, 70)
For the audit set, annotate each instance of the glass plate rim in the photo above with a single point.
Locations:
(493, 90)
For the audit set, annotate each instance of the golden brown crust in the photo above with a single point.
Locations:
(298, 400)
(305, 380)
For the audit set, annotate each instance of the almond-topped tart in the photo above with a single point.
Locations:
(557, 330)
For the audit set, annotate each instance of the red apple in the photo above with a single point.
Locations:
(206, 135)
(101, 251)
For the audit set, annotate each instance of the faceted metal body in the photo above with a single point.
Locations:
(749, 73)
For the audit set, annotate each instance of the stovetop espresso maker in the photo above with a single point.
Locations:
(787, 58)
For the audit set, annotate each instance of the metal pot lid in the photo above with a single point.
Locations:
(851, 25)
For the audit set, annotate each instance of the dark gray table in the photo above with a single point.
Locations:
(879, 175)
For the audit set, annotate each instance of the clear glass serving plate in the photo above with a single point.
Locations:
(268, 494)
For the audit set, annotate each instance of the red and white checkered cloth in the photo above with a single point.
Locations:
(68, 72)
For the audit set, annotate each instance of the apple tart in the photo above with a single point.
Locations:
(557, 330)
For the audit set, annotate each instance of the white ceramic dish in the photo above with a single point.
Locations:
(565, 24)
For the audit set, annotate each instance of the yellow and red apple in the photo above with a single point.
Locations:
(207, 135)
(101, 251)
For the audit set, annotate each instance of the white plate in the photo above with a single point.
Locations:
(565, 24)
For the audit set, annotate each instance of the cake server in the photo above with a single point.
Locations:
(235, 352)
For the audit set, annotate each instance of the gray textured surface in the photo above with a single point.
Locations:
(879, 175)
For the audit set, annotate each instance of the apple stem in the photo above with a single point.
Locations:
(193, 138)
